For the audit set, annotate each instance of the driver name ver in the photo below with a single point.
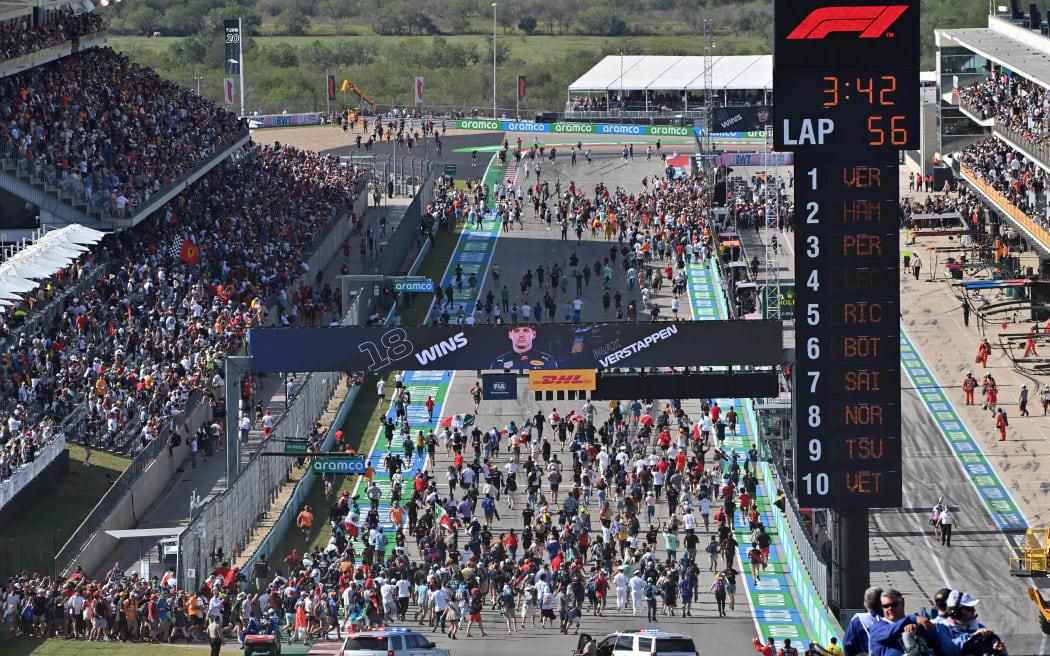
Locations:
(522, 355)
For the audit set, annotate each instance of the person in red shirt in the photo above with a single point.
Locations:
(430, 408)
(680, 461)
(716, 412)
(766, 649)
(745, 502)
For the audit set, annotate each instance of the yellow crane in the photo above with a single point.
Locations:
(366, 100)
(1030, 560)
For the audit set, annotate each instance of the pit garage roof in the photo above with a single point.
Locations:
(675, 73)
(1003, 50)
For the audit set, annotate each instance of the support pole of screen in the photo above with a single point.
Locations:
(853, 573)
(236, 367)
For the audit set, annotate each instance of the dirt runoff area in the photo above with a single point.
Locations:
(322, 137)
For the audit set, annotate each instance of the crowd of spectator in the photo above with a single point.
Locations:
(153, 329)
(109, 128)
(1016, 104)
(1019, 180)
(18, 37)
(636, 101)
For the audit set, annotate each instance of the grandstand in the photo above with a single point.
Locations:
(179, 234)
(993, 106)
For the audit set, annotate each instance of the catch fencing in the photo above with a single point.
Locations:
(221, 529)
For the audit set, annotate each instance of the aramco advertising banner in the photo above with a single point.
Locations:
(597, 128)
(517, 347)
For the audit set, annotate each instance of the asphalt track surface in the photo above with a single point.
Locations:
(904, 551)
(515, 252)
(906, 555)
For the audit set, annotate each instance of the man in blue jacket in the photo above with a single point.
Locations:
(886, 634)
(855, 641)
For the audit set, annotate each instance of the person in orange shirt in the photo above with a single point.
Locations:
(305, 521)
(969, 383)
(1030, 344)
(1001, 423)
(982, 353)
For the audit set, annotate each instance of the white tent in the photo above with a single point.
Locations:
(676, 73)
(48, 254)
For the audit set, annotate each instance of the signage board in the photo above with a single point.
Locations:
(581, 380)
(414, 286)
(338, 465)
(518, 347)
(450, 169)
(296, 446)
(499, 387)
(853, 69)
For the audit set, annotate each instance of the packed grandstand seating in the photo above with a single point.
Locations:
(174, 321)
(1015, 103)
(1013, 175)
(142, 133)
(19, 38)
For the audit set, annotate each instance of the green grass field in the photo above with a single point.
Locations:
(31, 541)
(59, 647)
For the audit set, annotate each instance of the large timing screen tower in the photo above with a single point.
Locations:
(852, 69)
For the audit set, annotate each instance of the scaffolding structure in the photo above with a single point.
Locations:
(771, 207)
(707, 144)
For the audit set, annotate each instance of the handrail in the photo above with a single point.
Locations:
(1037, 231)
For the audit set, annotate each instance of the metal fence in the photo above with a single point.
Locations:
(226, 524)
(808, 552)
(66, 556)
(100, 203)
(406, 172)
(400, 242)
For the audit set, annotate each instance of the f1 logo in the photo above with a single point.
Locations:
(871, 21)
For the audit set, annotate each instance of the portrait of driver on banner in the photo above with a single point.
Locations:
(522, 355)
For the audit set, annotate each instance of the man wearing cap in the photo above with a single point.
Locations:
(886, 636)
(959, 622)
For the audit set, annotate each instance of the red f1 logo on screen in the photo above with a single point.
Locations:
(871, 21)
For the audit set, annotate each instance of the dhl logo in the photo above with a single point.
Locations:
(560, 380)
(575, 379)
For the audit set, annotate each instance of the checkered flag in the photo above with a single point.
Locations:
(185, 250)
(176, 247)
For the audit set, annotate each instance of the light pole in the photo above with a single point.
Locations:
(197, 76)
(494, 5)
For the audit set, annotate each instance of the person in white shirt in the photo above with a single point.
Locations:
(620, 581)
(404, 591)
(637, 585)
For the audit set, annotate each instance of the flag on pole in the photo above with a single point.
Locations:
(185, 250)
(331, 87)
(442, 517)
(228, 88)
(521, 87)
(419, 90)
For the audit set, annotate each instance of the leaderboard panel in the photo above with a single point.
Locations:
(852, 72)
(847, 385)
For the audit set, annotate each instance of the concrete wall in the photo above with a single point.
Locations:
(145, 492)
(29, 496)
